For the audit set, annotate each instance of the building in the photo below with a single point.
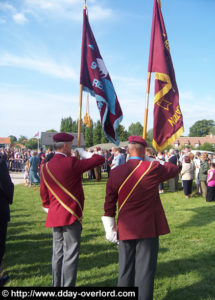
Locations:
(47, 139)
(4, 142)
(193, 141)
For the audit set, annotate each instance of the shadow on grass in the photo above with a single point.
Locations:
(203, 216)
(28, 256)
(204, 265)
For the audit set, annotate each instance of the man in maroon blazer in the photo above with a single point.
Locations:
(63, 197)
(141, 218)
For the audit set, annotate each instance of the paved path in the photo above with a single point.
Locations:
(17, 177)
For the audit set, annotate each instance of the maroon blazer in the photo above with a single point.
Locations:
(142, 216)
(68, 172)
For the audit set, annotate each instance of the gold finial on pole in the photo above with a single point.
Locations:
(85, 4)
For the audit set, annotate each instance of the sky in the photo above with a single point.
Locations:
(40, 53)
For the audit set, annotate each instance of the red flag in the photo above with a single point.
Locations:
(96, 80)
(36, 135)
(168, 120)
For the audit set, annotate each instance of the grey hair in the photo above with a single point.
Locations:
(172, 151)
(58, 145)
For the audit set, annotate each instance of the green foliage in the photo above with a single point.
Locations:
(186, 260)
(22, 139)
(97, 133)
(202, 128)
(88, 135)
(135, 129)
(149, 136)
(32, 144)
(207, 147)
(122, 133)
(66, 125)
(104, 140)
(51, 130)
(13, 139)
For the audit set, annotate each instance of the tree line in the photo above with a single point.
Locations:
(95, 134)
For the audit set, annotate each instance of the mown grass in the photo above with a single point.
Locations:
(186, 262)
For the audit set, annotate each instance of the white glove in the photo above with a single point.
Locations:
(110, 229)
(84, 154)
(45, 209)
(147, 158)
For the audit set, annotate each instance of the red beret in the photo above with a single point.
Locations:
(63, 137)
(133, 139)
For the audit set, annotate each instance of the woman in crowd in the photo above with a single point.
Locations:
(203, 172)
(211, 183)
(197, 162)
(187, 173)
(34, 168)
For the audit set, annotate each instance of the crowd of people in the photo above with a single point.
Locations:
(196, 168)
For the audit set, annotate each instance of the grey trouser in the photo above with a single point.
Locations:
(66, 246)
(137, 265)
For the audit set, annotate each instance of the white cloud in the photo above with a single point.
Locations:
(7, 7)
(66, 9)
(25, 112)
(20, 18)
(41, 65)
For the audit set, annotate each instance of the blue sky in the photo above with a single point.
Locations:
(40, 47)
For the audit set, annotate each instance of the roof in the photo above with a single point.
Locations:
(195, 140)
(4, 140)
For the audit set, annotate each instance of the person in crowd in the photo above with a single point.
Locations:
(97, 169)
(160, 156)
(49, 154)
(34, 167)
(119, 158)
(141, 218)
(203, 172)
(107, 155)
(40, 154)
(211, 183)
(187, 174)
(26, 173)
(62, 195)
(173, 182)
(6, 198)
(197, 163)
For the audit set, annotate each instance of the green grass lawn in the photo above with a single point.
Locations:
(186, 262)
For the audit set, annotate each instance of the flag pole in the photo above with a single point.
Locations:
(80, 106)
(79, 116)
(147, 105)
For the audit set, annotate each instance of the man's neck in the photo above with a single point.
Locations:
(61, 152)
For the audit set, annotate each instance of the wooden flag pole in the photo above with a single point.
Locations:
(147, 105)
(80, 106)
(79, 116)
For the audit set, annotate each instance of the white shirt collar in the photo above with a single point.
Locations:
(61, 153)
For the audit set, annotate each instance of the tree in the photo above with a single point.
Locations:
(31, 144)
(88, 135)
(207, 147)
(104, 140)
(122, 133)
(22, 139)
(51, 130)
(202, 128)
(66, 124)
(75, 126)
(149, 136)
(97, 133)
(135, 129)
(13, 139)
